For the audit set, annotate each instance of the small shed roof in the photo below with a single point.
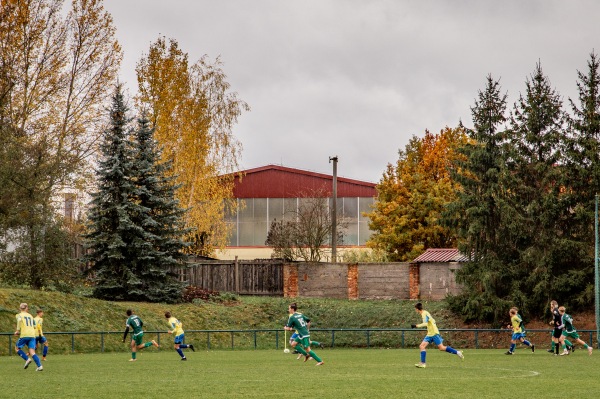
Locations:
(441, 255)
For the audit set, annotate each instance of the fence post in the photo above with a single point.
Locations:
(102, 342)
(73, 343)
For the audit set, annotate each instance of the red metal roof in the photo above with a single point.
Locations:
(441, 255)
(273, 181)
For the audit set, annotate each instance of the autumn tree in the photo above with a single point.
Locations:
(194, 112)
(413, 193)
(56, 72)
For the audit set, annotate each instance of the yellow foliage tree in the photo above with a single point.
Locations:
(413, 193)
(193, 112)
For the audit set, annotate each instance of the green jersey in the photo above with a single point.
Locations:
(135, 323)
(299, 323)
(567, 322)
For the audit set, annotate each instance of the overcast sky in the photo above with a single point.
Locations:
(355, 78)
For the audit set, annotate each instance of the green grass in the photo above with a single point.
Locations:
(347, 373)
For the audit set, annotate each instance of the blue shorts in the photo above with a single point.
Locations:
(29, 342)
(518, 336)
(436, 339)
(40, 340)
(179, 339)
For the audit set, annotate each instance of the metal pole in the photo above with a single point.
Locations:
(596, 276)
(334, 211)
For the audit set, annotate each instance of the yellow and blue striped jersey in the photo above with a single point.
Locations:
(38, 325)
(176, 325)
(26, 325)
(430, 323)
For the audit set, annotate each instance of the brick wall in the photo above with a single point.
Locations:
(370, 280)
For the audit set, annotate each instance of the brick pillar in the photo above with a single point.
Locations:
(290, 280)
(414, 280)
(353, 281)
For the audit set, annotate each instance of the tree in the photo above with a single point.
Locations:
(193, 112)
(55, 74)
(136, 223)
(307, 230)
(412, 195)
(478, 213)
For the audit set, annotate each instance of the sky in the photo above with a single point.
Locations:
(357, 79)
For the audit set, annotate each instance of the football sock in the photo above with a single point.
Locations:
(36, 359)
(22, 354)
(133, 355)
(450, 349)
(301, 350)
(527, 343)
(423, 355)
(568, 342)
(556, 349)
(512, 347)
(45, 351)
(553, 345)
(585, 346)
(180, 353)
(147, 344)
(314, 356)
(184, 346)
(315, 343)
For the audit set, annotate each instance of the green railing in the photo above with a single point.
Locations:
(274, 339)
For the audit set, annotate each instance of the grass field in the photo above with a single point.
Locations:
(347, 373)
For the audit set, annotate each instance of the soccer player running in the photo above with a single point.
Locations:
(27, 332)
(40, 338)
(558, 329)
(518, 331)
(177, 331)
(136, 324)
(297, 321)
(433, 335)
(569, 331)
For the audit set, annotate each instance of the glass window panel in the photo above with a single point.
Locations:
(233, 234)
(260, 233)
(364, 232)
(350, 234)
(364, 206)
(350, 208)
(275, 209)
(290, 207)
(260, 210)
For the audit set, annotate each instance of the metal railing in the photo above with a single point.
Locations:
(272, 338)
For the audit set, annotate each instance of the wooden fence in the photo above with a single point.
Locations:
(254, 277)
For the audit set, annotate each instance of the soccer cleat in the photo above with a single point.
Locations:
(421, 365)
(550, 351)
(460, 354)
(41, 368)
(509, 353)
(184, 358)
(27, 363)
(590, 350)
(564, 353)
(532, 348)
(307, 357)
(320, 364)
(192, 347)
(132, 360)
(44, 358)
(300, 355)
(154, 343)
(321, 346)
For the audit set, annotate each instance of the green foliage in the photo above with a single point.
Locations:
(358, 256)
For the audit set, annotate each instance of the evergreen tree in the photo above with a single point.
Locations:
(112, 229)
(535, 165)
(478, 214)
(160, 247)
(134, 219)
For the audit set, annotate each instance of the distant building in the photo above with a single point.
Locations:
(271, 191)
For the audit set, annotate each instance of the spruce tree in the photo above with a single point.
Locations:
(111, 228)
(478, 213)
(160, 248)
(535, 165)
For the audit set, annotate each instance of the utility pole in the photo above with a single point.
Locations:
(334, 211)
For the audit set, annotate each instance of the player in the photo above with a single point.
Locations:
(433, 335)
(518, 331)
(295, 340)
(137, 335)
(26, 331)
(569, 331)
(558, 329)
(297, 321)
(177, 331)
(40, 338)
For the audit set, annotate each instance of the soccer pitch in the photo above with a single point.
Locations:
(347, 373)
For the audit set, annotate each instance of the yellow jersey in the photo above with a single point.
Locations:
(430, 323)
(516, 324)
(38, 325)
(26, 325)
(176, 326)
